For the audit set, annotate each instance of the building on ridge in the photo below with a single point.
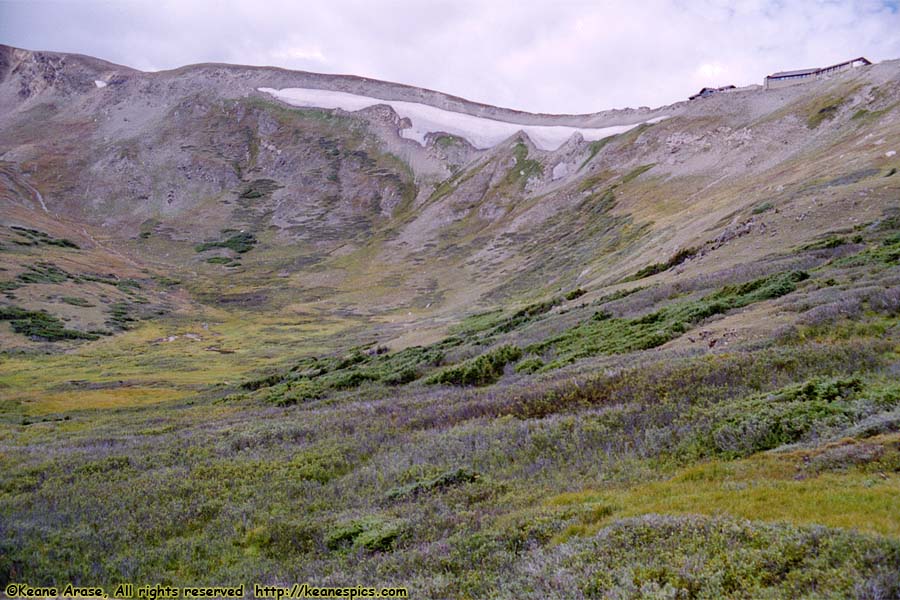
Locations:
(786, 78)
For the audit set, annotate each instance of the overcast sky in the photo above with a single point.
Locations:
(548, 56)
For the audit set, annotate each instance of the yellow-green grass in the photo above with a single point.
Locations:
(120, 397)
(153, 370)
(764, 487)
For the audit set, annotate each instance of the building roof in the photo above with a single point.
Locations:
(861, 59)
(802, 72)
(795, 73)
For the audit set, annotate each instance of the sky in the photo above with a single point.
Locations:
(559, 56)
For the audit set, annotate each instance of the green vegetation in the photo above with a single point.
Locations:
(447, 141)
(694, 557)
(786, 416)
(43, 272)
(259, 188)
(574, 294)
(595, 147)
(530, 365)
(120, 317)
(166, 281)
(885, 253)
(479, 322)
(240, 242)
(761, 208)
(148, 228)
(223, 260)
(482, 370)
(675, 260)
(635, 173)
(369, 533)
(832, 241)
(524, 168)
(311, 378)
(40, 326)
(823, 109)
(436, 483)
(75, 301)
(33, 237)
(603, 334)
(493, 323)
(866, 116)
(128, 285)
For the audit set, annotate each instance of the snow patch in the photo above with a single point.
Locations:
(560, 171)
(99, 84)
(890, 153)
(481, 132)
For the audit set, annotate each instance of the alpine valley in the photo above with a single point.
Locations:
(266, 326)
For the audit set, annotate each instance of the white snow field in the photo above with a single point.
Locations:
(481, 132)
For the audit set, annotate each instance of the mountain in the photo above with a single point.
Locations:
(278, 325)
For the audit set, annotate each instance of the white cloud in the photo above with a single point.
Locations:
(297, 53)
(548, 56)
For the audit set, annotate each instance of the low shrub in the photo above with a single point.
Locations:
(372, 533)
(221, 260)
(604, 334)
(39, 238)
(241, 243)
(482, 370)
(826, 243)
(43, 273)
(663, 556)
(792, 414)
(438, 482)
(675, 260)
(530, 365)
(75, 301)
(41, 326)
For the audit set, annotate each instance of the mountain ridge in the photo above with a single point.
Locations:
(356, 84)
(343, 205)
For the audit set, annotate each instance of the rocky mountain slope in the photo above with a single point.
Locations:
(156, 164)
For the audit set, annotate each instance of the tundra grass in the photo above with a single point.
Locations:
(198, 491)
(771, 487)
(155, 369)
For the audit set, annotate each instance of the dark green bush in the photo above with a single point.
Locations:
(372, 533)
(675, 260)
(221, 260)
(41, 326)
(444, 480)
(38, 238)
(241, 243)
(763, 422)
(482, 370)
(75, 301)
(43, 273)
(530, 365)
